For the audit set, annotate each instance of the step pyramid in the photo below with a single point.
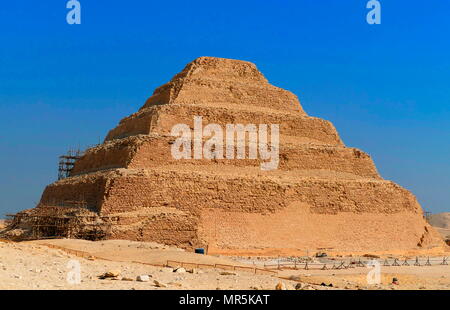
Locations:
(322, 194)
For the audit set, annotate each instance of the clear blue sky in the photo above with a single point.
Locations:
(385, 87)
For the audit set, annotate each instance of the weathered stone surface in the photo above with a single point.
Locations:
(159, 284)
(110, 274)
(143, 278)
(151, 151)
(323, 194)
(281, 286)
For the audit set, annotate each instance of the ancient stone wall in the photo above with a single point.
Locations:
(85, 191)
(161, 119)
(154, 151)
(323, 194)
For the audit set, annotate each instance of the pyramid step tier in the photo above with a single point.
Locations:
(126, 190)
(217, 93)
(149, 151)
(161, 119)
(223, 81)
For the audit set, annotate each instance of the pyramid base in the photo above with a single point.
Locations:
(242, 213)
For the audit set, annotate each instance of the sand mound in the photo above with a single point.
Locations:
(441, 220)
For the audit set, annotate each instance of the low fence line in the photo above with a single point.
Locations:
(268, 268)
(78, 253)
(255, 270)
(341, 264)
(87, 255)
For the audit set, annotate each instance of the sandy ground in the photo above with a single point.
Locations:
(410, 277)
(445, 232)
(132, 251)
(441, 220)
(35, 265)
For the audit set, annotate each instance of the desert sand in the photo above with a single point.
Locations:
(323, 197)
(38, 265)
(32, 265)
(441, 222)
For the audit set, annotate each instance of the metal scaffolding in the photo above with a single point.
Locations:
(89, 227)
(67, 162)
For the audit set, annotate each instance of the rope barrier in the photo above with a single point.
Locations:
(341, 264)
(360, 263)
(417, 262)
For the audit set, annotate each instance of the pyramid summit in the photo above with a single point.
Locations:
(322, 194)
(217, 81)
